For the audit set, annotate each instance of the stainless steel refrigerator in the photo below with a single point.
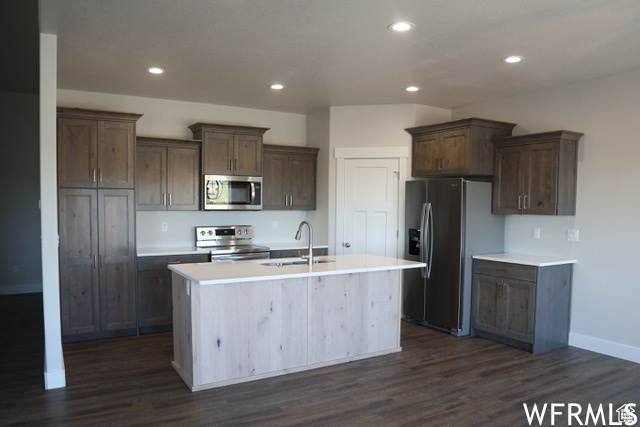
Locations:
(448, 220)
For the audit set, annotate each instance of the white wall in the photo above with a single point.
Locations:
(170, 119)
(373, 126)
(54, 370)
(605, 315)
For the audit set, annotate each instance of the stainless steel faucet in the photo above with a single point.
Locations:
(299, 234)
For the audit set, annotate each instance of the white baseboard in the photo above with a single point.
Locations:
(54, 379)
(610, 348)
(25, 288)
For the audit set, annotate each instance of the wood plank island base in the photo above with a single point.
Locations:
(243, 321)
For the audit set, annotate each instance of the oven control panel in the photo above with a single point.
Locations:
(224, 235)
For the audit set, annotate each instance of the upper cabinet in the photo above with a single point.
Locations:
(457, 148)
(289, 178)
(95, 148)
(536, 174)
(230, 150)
(167, 174)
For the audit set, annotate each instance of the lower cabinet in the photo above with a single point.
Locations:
(155, 307)
(524, 306)
(292, 253)
(97, 263)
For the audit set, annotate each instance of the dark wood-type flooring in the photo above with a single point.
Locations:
(436, 380)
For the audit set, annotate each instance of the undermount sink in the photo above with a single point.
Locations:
(295, 261)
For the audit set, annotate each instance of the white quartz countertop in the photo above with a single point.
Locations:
(211, 273)
(169, 251)
(534, 260)
(192, 250)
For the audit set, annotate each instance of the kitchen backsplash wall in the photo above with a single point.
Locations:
(268, 226)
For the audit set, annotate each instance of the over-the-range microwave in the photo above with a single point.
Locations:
(222, 192)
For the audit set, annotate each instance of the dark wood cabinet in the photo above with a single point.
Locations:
(521, 305)
(536, 174)
(167, 174)
(293, 253)
(155, 303)
(96, 223)
(95, 148)
(457, 148)
(289, 177)
(97, 262)
(230, 150)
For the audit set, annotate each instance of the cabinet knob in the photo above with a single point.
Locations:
(347, 245)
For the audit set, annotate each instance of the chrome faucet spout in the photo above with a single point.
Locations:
(299, 235)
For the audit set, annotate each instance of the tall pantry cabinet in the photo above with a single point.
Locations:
(96, 223)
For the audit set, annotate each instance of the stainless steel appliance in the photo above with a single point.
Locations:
(448, 221)
(222, 192)
(230, 243)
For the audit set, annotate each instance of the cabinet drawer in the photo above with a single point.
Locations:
(505, 269)
(160, 262)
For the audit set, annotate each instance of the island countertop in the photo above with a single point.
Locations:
(211, 273)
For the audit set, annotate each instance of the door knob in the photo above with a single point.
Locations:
(348, 245)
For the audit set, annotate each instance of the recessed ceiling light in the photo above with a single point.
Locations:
(277, 86)
(401, 26)
(513, 59)
(412, 88)
(155, 70)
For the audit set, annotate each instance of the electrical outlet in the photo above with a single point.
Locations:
(536, 233)
(165, 226)
(573, 235)
(274, 225)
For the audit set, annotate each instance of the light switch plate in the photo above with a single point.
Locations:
(165, 226)
(573, 235)
(536, 233)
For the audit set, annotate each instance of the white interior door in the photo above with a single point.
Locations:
(370, 214)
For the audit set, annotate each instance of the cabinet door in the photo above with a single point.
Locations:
(275, 181)
(116, 239)
(217, 153)
(155, 304)
(519, 309)
(303, 182)
(247, 155)
(116, 145)
(151, 178)
(183, 179)
(508, 183)
(77, 153)
(424, 155)
(79, 291)
(541, 179)
(486, 309)
(453, 152)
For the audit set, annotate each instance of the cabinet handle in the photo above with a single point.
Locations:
(170, 200)
(520, 202)
(95, 261)
(291, 200)
(525, 202)
(101, 260)
(100, 173)
(164, 199)
(93, 173)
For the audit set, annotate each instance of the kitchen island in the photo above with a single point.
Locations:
(248, 320)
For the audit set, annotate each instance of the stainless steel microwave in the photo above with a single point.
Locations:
(222, 192)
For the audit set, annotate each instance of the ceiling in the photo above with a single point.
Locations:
(338, 52)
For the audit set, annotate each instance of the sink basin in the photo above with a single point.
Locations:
(293, 261)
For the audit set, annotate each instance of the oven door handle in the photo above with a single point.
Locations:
(239, 257)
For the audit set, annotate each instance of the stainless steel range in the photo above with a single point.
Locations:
(230, 243)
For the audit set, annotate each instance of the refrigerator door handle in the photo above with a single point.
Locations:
(423, 230)
(430, 222)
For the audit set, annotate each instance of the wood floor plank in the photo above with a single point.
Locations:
(436, 380)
